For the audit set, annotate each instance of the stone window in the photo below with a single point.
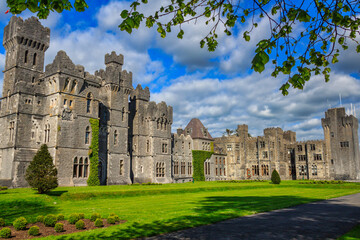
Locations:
(80, 168)
(312, 147)
(344, 144)
(229, 147)
(183, 145)
(87, 135)
(47, 133)
(121, 168)
(264, 170)
(26, 56)
(70, 103)
(302, 157)
(32, 79)
(238, 159)
(147, 145)
(73, 86)
(262, 144)
(89, 103)
(224, 172)
(75, 169)
(255, 170)
(122, 114)
(220, 171)
(332, 161)
(164, 148)
(189, 146)
(317, 157)
(160, 169)
(176, 167)
(216, 172)
(299, 147)
(314, 170)
(265, 154)
(67, 81)
(208, 168)
(302, 170)
(65, 102)
(224, 160)
(332, 134)
(182, 168)
(86, 167)
(115, 137)
(34, 59)
(12, 130)
(216, 162)
(237, 146)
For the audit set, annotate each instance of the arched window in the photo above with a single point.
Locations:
(115, 137)
(26, 56)
(76, 165)
(123, 114)
(34, 59)
(47, 133)
(87, 135)
(86, 167)
(314, 170)
(89, 103)
(81, 165)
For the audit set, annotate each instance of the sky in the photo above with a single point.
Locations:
(217, 87)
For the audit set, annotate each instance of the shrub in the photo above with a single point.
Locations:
(275, 177)
(111, 220)
(20, 223)
(5, 232)
(40, 218)
(95, 216)
(41, 173)
(80, 224)
(81, 216)
(117, 219)
(2, 222)
(50, 220)
(99, 223)
(3, 188)
(60, 217)
(74, 217)
(59, 227)
(34, 231)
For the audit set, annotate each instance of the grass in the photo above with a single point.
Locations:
(155, 209)
(352, 235)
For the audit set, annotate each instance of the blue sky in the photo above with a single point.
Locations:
(219, 87)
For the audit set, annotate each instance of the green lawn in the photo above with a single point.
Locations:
(352, 235)
(155, 209)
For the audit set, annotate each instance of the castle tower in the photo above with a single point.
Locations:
(342, 144)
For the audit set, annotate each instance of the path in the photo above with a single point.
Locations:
(319, 220)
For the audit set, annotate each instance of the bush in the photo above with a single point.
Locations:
(99, 223)
(34, 231)
(117, 219)
(5, 232)
(95, 216)
(74, 217)
(3, 188)
(81, 216)
(111, 220)
(60, 217)
(2, 222)
(41, 173)
(80, 224)
(20, 223)
(40, 218)
(59, 227)
(275, 177)
(50, 220)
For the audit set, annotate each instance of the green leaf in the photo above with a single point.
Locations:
(124, 14)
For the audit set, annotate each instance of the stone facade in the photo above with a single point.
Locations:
(55, 106)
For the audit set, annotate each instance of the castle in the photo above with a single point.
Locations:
(55, 107)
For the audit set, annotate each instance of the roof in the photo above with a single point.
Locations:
(196, 130)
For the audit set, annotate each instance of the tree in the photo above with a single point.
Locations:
(275, 177)
(306, 36)
(41, 173)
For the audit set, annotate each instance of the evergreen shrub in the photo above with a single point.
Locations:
(34, 231)
(275, 177)
(50, 220)
(60, 217)
(74, 217)
(59, 227)
(99, 223)
(95, 216)
(81, 215)
(20, 223)
(5, 232)
(117, 219)
(111, 220)
(80, 224)
(40, 218)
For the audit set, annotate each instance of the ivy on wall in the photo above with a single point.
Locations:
(93, 179)
(199, 158)
(212, 146)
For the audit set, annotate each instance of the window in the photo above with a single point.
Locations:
(302, 157)
(81, 165)
(265, 154)
(237, 146)
(224, 160)
(70, 103)
(344, 144)
(176, 168)
(89, 103)
(34, 59)
(216, 162)
(67, 81)
(115, 137)
(182, 168)
(189, 146)
(65, 102)
(183, 145)
(47, 133)
(216, 173)
(80, 168)
(302, 170)
(229, 147)
(332, 161)
(26, 56)
(75, 169)
(32, 79)
(332, 134)
(220, 171)
(86, 167)
(87, 135)
(255, 170)
(164, 148)
(160, 169)
(314, 170)
(12, 130)
(262, 144)
(121, 169)
(147, 145)
(312, 147)
(317, 157)
(299, 147)
(224, 172)
(123, 114)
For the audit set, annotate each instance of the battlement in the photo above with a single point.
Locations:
(126, 77)
(29, 32)
(141, 94)
(273, 131)
(160, 111)
(114, 58)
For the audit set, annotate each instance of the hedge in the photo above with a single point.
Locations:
(93, 179)
(199, 158)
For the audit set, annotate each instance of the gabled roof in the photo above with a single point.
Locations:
(196, 130)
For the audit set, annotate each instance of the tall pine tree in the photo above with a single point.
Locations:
(41, 173)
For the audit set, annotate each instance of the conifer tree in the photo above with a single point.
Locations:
(41, 173)
(275, 177)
